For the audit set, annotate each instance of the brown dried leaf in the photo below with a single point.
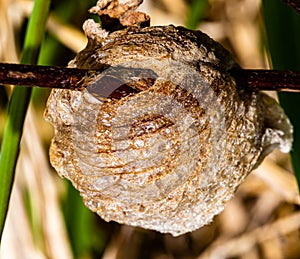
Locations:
(123, 12)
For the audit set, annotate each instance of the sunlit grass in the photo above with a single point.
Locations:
(18, 107)
(86, 237)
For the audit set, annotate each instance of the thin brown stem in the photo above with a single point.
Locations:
(268, 80)
(76, 79)
(42, 76)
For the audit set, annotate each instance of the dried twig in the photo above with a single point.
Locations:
(269, 80)
(42, 76)
(74, 78)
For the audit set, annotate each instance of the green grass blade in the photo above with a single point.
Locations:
(283, 33)
(18, 106)
(85, 236)
(197, 10)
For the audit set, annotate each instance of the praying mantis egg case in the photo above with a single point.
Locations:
(170, 153)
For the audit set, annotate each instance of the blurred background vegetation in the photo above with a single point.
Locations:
(47, 218)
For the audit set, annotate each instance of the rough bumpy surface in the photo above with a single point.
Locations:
(168, 150)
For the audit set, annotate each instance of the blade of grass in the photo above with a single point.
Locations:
(283, 34)
(84, 234)
(195, 13)
(18, 106)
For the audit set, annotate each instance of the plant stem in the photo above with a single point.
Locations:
(18, 106)
(43, 76)
(268, 80)
(74, 78)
